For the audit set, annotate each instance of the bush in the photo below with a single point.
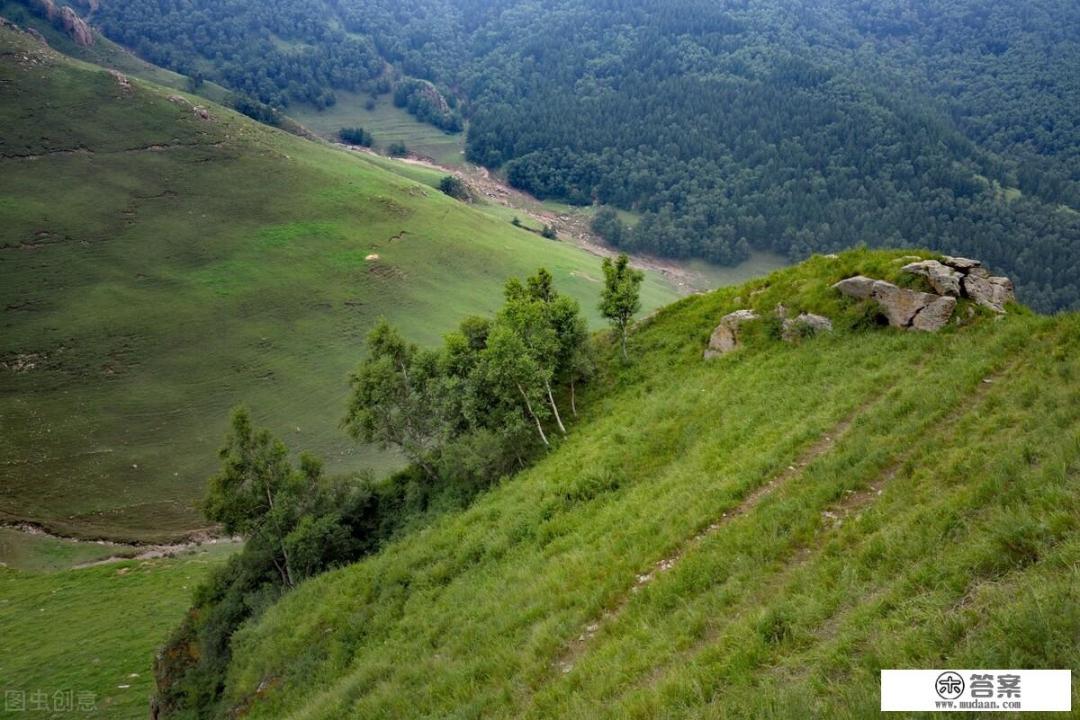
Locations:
(356, 136)
(397, 149)
(455, 187)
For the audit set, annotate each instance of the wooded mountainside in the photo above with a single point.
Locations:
(795, 127)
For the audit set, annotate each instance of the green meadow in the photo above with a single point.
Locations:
(386, 123)
(753, 536)
(157, 269)
(90, 634)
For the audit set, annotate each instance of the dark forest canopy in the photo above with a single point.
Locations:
(793, 126)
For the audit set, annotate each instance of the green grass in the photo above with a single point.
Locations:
(95, 630)
(386, 123)
(157, 269)
(931, 521)
(22, 550)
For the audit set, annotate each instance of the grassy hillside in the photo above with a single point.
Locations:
(754, 536)
(157, 268)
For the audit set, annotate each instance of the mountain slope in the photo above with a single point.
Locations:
(754, 536)
(729, 126)
(161, 262)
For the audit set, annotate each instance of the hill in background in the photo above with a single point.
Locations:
(728, 127)
(164, 259)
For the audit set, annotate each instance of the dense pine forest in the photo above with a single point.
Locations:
(725, 126)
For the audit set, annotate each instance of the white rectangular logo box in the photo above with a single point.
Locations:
(976, 690)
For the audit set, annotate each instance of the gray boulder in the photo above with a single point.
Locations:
(725, 337)
(944, 279)
(805, 323)
(859, 287)
(959, 263)
(900, 305)
(991, 292)
(934, 316)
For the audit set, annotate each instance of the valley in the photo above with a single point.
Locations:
(148, 254)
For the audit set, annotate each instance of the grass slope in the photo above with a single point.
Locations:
(754, 536)
(157, 268)
(93, 631)
(387, 124)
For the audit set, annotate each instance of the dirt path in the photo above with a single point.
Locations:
(571, 226)
(568, 657)
(125, 551)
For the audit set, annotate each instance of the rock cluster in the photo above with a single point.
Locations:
(904, 308)
(725, 337)
(951, 279)
(962, 277)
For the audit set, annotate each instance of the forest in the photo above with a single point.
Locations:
(725, 126)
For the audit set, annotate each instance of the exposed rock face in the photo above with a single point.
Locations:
(934, 316)
(900, 305)
(991, 292)
(964, 277)
(904, 308)
(805, 323)
(944, 279)
(859, 287)
(962, 263)
(76, 27)
(725, 337)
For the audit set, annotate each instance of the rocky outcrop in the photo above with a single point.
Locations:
(951, 278)
(966, 278)
(903, 308)
(805, 324)
(76, 27)
(991, 292)
(944, 279)
(725, 337)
